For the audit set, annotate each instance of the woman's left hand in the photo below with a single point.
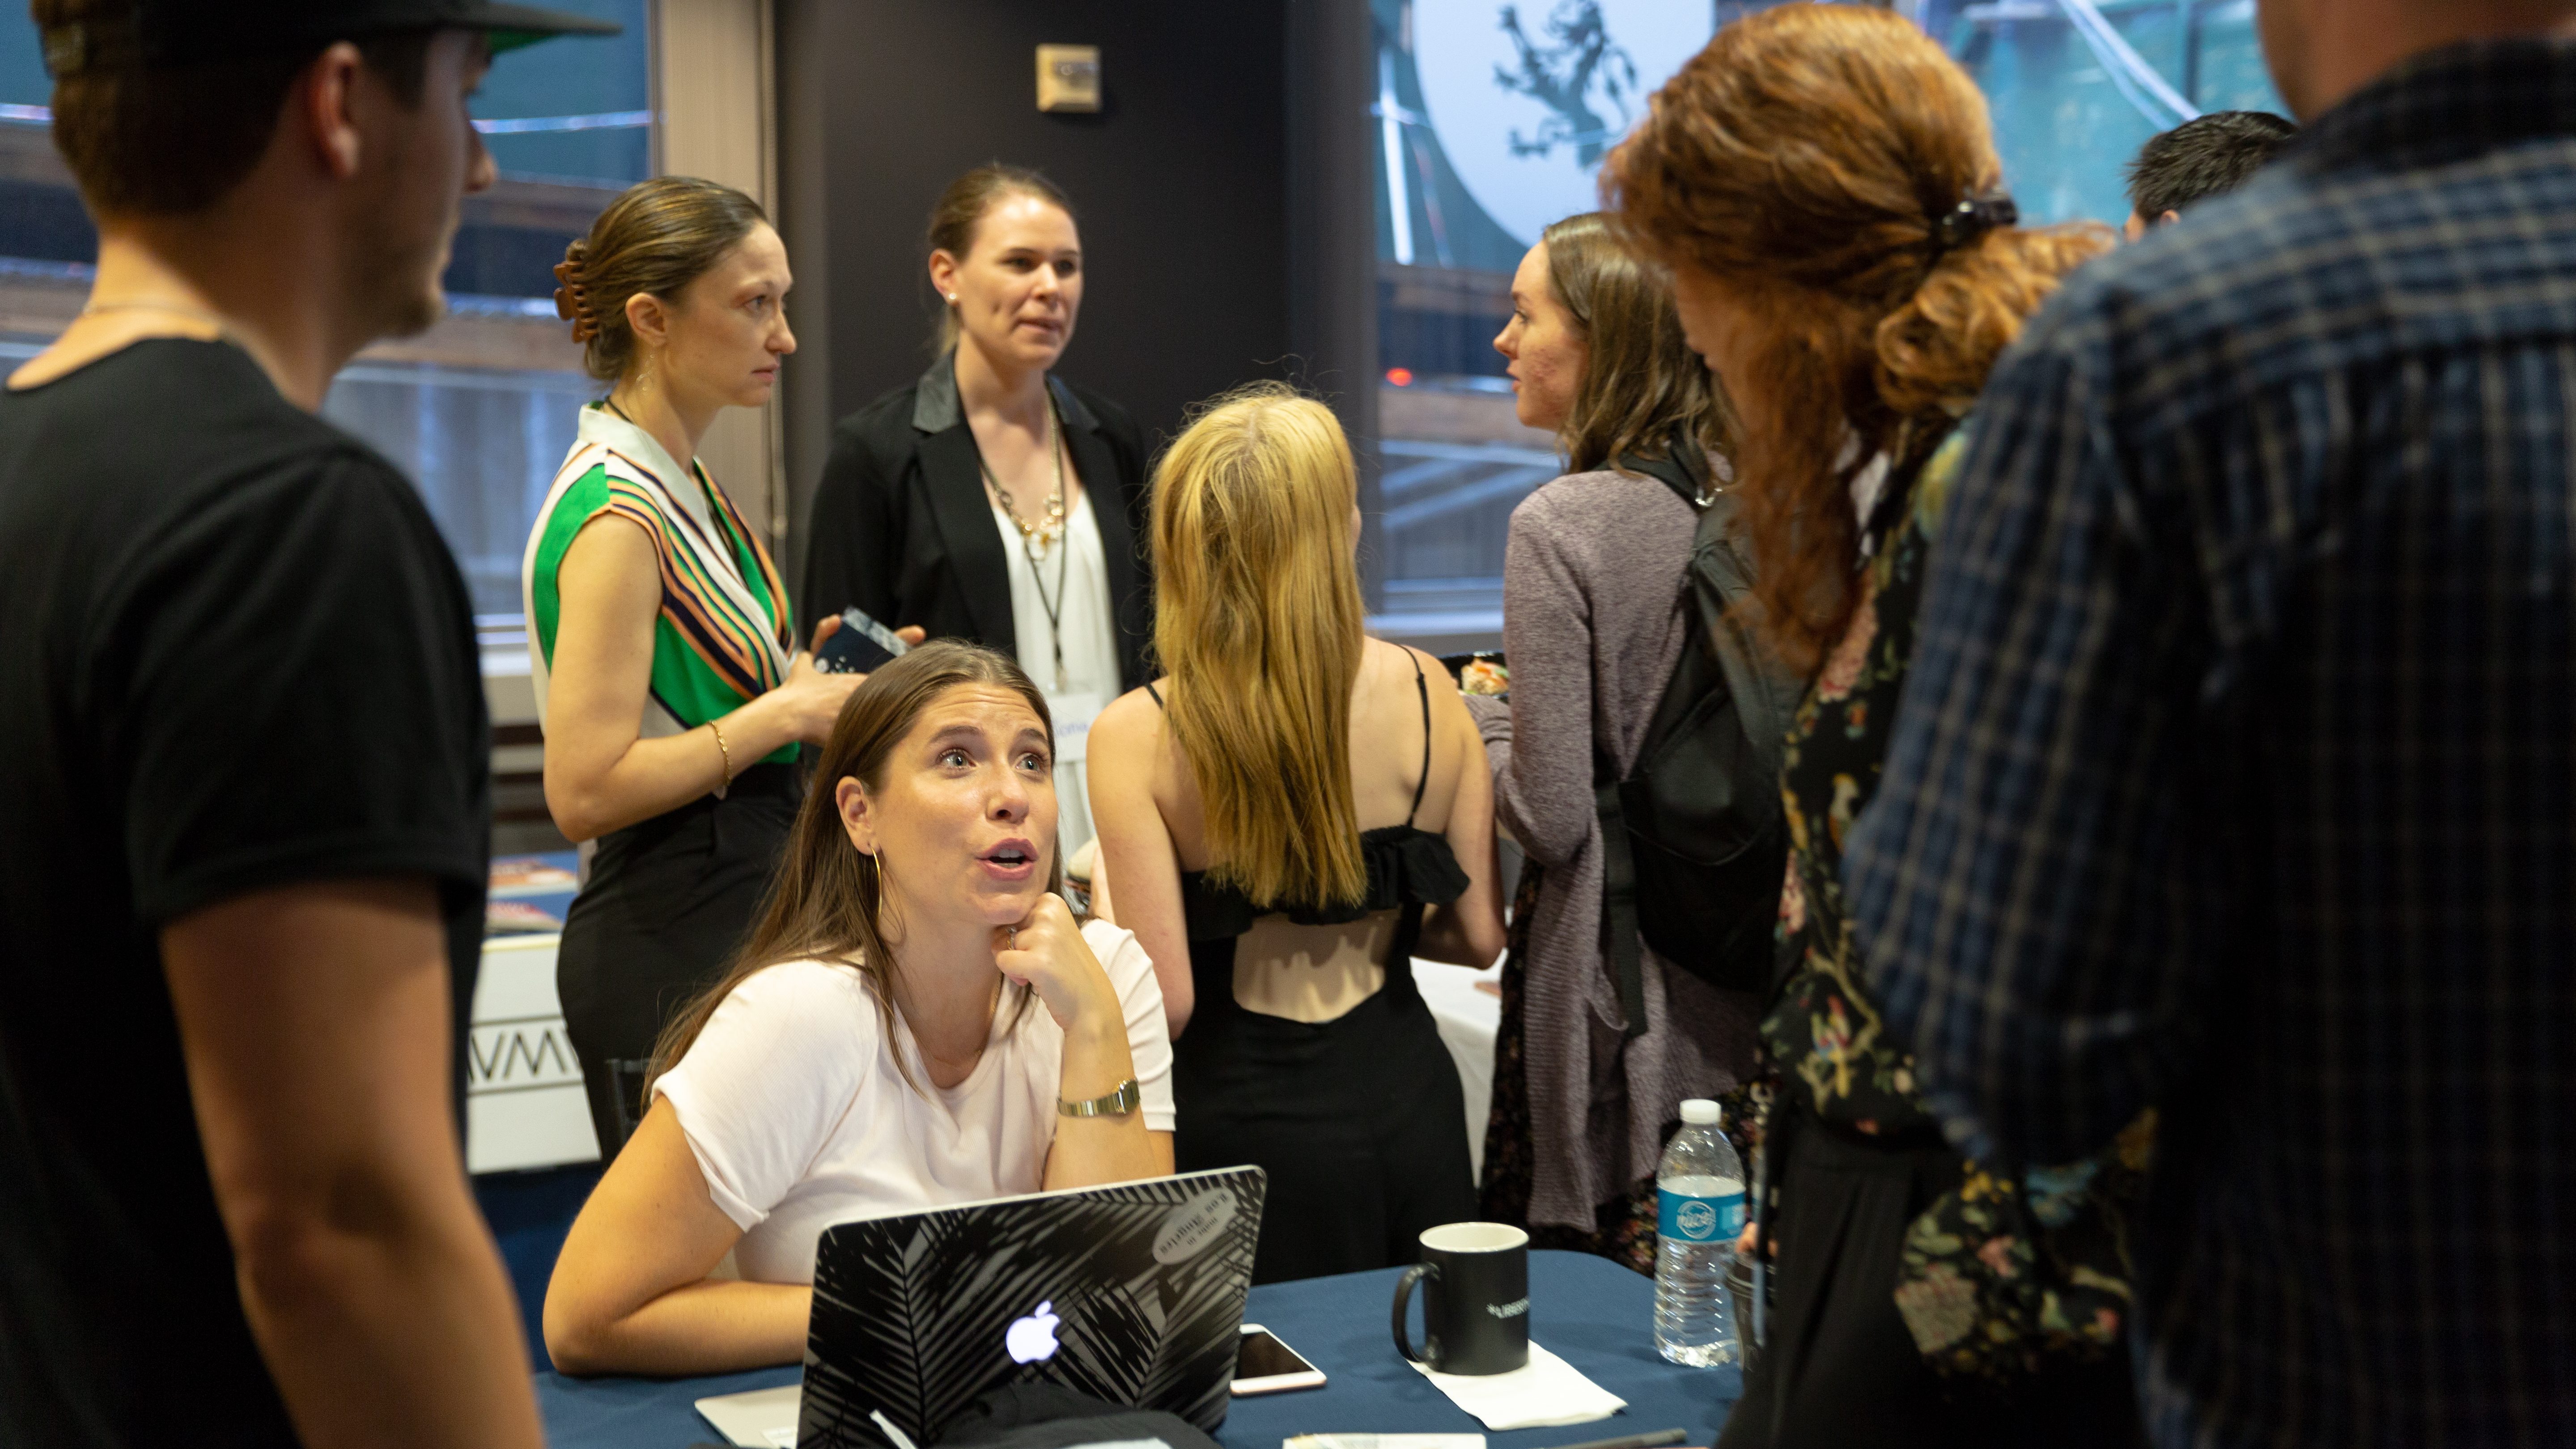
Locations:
(1046, 953)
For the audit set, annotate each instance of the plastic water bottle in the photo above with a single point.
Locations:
(1701, 1186)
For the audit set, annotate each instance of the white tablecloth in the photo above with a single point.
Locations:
(524, 1104)
(1468, 1020)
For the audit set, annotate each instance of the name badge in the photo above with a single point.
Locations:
(1073, 713)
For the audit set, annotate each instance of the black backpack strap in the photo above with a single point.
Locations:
(1677, 469)
(1622, 941)
(1764, 689)
(1619, 897)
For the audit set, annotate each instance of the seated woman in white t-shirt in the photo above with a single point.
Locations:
(913, 1011)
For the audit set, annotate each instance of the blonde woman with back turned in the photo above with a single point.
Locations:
(1291, 814)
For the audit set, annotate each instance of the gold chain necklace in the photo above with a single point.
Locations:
(1035, 541)
(1039, 538)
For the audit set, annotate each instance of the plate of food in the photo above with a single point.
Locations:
(1482, 672)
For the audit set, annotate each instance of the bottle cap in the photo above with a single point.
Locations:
(1700, 1112)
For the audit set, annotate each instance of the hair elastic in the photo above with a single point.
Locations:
(1971, 219)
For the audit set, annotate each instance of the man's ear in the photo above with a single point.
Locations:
(857, 820)
(323, 101)
(2169, 218)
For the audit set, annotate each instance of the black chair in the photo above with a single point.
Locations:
(626, 1078)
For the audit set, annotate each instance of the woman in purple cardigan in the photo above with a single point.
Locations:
(1592, 627)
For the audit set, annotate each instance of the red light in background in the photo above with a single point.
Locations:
(1400, 376)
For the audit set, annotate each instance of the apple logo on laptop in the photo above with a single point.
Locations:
(1032, 1338)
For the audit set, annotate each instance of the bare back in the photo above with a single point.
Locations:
(1311, 973)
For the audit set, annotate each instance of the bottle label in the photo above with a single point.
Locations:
(1714, 1218)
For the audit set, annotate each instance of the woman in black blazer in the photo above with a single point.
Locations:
(992, 501)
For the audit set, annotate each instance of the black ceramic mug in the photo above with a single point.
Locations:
(1475, 1305)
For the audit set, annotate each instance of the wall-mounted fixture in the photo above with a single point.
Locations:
(1068, 77)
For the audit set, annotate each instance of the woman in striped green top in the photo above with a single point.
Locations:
(667, 676)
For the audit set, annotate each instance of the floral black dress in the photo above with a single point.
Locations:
(1991, 1280)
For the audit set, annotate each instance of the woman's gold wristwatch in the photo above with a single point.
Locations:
(1120, 1101)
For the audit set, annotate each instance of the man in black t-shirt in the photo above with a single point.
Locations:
(243, 800)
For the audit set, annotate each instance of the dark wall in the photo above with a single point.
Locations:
(1181, 184)
(1332, 233)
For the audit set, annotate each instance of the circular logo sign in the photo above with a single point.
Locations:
(1527, 98)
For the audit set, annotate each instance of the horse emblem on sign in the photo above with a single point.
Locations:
(1578, 72)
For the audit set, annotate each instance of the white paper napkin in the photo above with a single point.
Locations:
(1543, 1392)
(1384, 1441)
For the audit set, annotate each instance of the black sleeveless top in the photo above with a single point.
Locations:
(1356, 1119)
(1408, 868)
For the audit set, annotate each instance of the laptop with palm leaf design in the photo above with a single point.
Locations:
(1131, 1294)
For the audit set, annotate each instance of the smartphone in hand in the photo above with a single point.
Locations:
(860, 646)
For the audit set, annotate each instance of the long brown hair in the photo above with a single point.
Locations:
(1803, 161)
(827, 901)
(657, 237)
(1257, 619)
(961, 208)
(1643, 389)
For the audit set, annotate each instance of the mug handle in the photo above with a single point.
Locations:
(1404, 1296)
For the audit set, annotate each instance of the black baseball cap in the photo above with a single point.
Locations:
(150, 34)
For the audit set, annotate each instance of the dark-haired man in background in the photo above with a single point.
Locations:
(2203, 157)
(243, 760)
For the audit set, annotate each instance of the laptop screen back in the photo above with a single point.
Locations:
(1130, 1294)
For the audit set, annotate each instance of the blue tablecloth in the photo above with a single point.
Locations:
(1591, 1312)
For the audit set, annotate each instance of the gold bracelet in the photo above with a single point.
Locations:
(727, 751)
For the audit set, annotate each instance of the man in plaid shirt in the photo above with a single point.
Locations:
(2236, 776)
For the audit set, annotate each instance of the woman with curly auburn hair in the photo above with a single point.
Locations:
(1822, 183)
